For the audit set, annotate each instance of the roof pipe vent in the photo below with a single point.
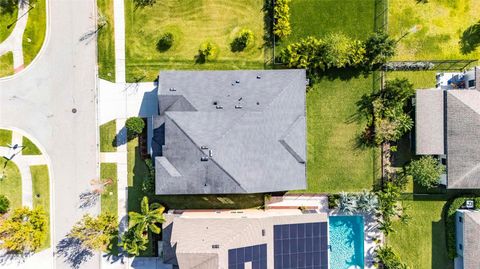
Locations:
(204, 147)
(204, 159)
(172, 89)
(219, 107)
(238, 107)
(259, 77)
(210, 153)
(237, 81)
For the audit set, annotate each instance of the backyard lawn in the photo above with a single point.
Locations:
(441, 26)
(35, 31)
(192, 23)
(109, 197)
(5, 137)
(29, 147)
(108, 133)
(421, 243)
(41, 193)
(320, 17)
(419, 79)
(335, 162)
(11, 184)
(8, 17)
(106, 42)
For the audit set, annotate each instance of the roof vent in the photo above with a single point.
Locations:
(215, 103)
(258, 103)
(237, 81)
(204, 159)
(263, 232)
(172, 89)
(219, 107)
(215, 246)
(259, 77)
(240, 99)
(210, 153)
(238, 107)
(204, 147)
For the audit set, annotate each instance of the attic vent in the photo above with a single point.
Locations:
(204, 159)
(215, 246)
(204, 147)
(219, 107)
(172, 89)
(259, 77)
(263, 232)
(238, 107)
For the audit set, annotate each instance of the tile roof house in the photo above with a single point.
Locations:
(255, 239)
(448, 124)
(467, 239)
(231, 132)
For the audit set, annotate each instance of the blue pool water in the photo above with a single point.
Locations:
(346, 237)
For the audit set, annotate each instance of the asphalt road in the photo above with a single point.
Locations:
(40, 100)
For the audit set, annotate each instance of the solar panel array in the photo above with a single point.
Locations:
(257, 255)
(301, 246)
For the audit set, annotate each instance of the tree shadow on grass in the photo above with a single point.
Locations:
(88, 199)
(73, 252)
(470, 39)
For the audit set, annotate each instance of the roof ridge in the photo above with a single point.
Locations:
(210, 159)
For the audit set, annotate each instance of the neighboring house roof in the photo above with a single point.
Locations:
(429, 121)
(471, 242)
(463, 139)
(191, 235)
(254, 143)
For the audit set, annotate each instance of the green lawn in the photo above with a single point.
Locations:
(6, 64)
(108, 133)
(442, 24)
(110, 195)
(421, 243)
(192, 23)
(35, 31)
(106, 42)
(30, 147)
(41, 193)
(11, 184)
(420, 79)
(354, 18)
(5, 137)
(335, 162)
(8, 17)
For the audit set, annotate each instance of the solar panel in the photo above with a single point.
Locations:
(302, 246)
(256, 254)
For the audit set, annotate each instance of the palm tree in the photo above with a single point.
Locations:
(367, 202)
(347, 203)
(148, 218)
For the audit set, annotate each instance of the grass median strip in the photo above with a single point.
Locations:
(41, 193)
(106, 41)
(11, 183)
(29, 147)
(108, 134)
(35, 30)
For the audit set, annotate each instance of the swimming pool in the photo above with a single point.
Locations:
(346, 238)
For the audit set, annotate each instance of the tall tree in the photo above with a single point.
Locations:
(24, 230)
(95, 233)
(379, 48)
(426, 171)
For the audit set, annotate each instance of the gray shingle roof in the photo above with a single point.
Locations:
(256, 142)
(471, 242)
(429, 122)
(463, 139)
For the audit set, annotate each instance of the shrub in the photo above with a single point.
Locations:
(242, 41)
(379, 48)
(388, 258)
(281, 18)
(4, 204)
(144, 3)
(134, 126)
(340, 51)
(426, 171)
(95, 233)
(165, 42)
(207, 51)
(148, 184)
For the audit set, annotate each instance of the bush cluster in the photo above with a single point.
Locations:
(134, 126)
(450, 222)
(242, 41)
(4, 204)
(148, 184)
(426, 171)
(281, 18)
(388, 258)
(338, 51)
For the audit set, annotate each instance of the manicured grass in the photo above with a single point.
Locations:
(108, 133)
(335, 162)
(8, 17)
(420, 79)
(106, 42)
(320, 17)
(421, 243)
(41, 193)
(6, 64)
(442, 24)
(11, 184)
(5, 137)
(109, 197)
(34, 34)
(29, 147)
(192, 23)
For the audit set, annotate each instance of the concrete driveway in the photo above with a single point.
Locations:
(40, 99)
